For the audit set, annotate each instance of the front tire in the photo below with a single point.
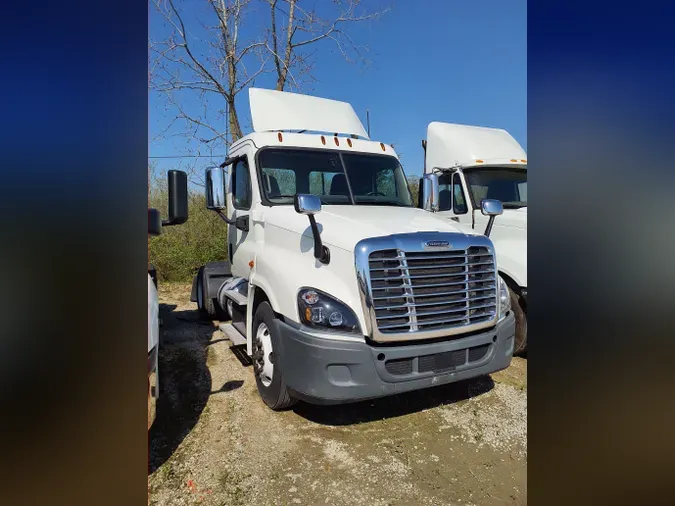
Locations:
(152, 402)
(266, 361)
(520, 340)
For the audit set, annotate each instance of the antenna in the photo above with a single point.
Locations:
(368, 121)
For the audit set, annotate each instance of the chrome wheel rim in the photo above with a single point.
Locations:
(262, 355)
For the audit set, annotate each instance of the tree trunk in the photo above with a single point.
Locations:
(281, 81)
(235, 129)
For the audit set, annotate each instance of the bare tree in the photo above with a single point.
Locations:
(294, 31)
(219, 68)
(211, 58)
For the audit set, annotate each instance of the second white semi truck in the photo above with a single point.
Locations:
(337, 286)
(475, 163)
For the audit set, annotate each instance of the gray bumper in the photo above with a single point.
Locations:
(328, 371)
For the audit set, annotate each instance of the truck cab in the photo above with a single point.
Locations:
(475, 163)
(337, 287)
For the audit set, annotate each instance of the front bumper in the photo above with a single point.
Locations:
(329, 371)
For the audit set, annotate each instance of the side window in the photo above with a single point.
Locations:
(458, 200)
(444, 192)
(522, 191)
(241, 186)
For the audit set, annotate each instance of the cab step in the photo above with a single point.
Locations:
(233, 334)
(236, 296)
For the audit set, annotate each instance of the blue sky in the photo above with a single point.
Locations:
(432, 60)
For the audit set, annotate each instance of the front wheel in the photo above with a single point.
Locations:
(266, 364)
(152, 403)
(520, 340)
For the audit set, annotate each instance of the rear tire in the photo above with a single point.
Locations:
(520, 340)
(266, 361)
(208, 310)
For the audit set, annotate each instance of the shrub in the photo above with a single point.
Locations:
(181, 249)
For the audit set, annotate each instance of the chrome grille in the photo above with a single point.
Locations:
(432, 290)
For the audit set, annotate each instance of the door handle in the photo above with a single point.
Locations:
(454, 218)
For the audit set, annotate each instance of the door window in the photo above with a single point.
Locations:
(458, 200)
(241, 185)
(451, 194)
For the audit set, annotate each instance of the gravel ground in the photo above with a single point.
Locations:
(214, 442)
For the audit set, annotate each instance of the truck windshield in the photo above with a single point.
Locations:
(502, 183)
(337, 178)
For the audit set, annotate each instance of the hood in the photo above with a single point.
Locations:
(512, 218)
(344, 226)
(509, 235)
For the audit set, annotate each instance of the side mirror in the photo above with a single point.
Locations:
(178, 198)
(430, 192)
(216, 189)
(307, 204)
(491, 208)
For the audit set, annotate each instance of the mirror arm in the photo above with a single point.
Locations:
(229, 161)
(321, 252)
(225, 218)
(488, 229)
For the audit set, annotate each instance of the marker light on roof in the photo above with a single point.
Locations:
(349, 141)
(323, 140)
(281, 139)
(382, 145)
(337, 142)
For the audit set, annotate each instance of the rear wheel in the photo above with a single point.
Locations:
(266, 363)
(520, 343)
(206, 306)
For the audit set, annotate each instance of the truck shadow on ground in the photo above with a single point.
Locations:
(184, 381)
(395, 405)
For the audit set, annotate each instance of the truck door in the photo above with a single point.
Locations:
(453, 200)
(241, 193)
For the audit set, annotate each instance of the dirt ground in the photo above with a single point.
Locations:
(214, 442)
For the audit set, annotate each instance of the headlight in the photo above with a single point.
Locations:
(319, 310)
(504, 299)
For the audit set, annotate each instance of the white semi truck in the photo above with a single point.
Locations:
(475, 163)
(178, 213)
(337, 286)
